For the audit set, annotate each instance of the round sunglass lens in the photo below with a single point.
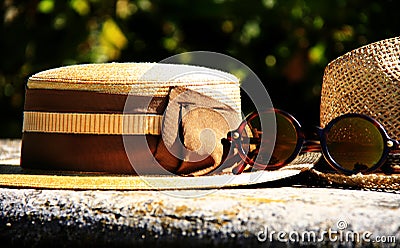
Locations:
(355, 144)
(286, 140)
(273, 147)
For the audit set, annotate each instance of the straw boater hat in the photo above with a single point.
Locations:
(131, 126)
(367, 81)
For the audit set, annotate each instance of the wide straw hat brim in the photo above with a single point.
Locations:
(375, 181)
(12, 175)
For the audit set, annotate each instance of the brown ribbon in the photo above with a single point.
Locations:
(77, 101)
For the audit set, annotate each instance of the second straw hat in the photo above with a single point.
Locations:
(366, 81)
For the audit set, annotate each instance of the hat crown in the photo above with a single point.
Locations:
(144, 79)
(365, 80)
(132, 73)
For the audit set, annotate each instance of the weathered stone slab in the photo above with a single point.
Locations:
(217, 217)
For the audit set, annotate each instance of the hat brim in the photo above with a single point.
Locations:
(12, 175)
(375, 181)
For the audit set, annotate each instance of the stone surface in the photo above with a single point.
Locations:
(221, 216)
(239, 216)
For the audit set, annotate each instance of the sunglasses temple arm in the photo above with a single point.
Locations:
(396, 170)
(396, 146)
(395, 150)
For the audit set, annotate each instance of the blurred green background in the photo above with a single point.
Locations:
(287, 43)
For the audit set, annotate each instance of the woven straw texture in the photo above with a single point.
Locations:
(12, 175)
(142, 79)
(78, 123)
(377, 181)
(366, 81)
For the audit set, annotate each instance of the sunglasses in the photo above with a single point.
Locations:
(351, 143)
